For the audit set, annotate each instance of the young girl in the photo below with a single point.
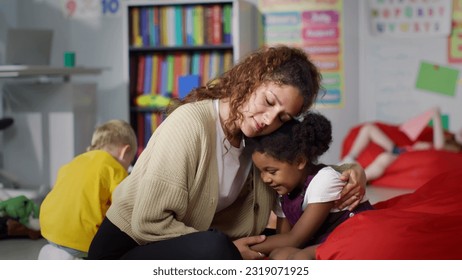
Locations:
(370, 132)
(287, 160)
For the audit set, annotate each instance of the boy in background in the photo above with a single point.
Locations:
(74, 209)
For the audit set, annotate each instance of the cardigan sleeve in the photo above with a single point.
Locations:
(167, 174)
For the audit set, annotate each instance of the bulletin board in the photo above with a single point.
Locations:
(402, 76)
(316, 27)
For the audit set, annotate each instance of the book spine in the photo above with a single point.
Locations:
(170, 73)
(164, 78)
(217, 23)
(179, 26)
(198, 25)
(156, 20)
(227, 24)
(208, 23)
(140, 75)
(136, 22)
(147, 74)
(189, 23)
(155, 74)
(144, 26)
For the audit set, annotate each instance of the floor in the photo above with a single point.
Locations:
(27, 249)
(20, 249)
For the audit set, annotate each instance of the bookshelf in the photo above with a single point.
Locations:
(174, 46)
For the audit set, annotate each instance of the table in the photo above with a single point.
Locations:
(17, 71)
(53, 121)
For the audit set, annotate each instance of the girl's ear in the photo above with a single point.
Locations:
(301, 163)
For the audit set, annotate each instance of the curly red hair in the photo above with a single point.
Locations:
(282, 65)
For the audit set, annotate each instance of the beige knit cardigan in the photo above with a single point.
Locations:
(173, 188)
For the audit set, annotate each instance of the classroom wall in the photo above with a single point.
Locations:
(98, 42)
(389, 68)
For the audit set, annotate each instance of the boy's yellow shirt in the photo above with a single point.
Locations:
(74, 209)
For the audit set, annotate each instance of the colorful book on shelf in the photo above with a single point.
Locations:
(179, 26)
(154, 73)
(170, 73)
(156, 26)
(151, 27)
(160, 65)
(147, 74)
(163, 26)
(198, 18)
(208, 23)
(227, 60)
(215, 64)
(170, 26)
(177, 72)
(227, 23)
(189, 23)
(195, 63)
(205, 67)
(185, 63)
(140, 74)
(164, 78)
(135, 31)
(187, 83)
(144, 23)
(217, 24)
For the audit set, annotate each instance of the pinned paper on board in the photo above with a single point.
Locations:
(414, 126)
(438, 79)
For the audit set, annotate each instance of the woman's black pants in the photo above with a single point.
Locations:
(112, 243)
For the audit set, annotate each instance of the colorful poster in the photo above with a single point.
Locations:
(82, 9)
(315, 26)
(410, 18)
(455, 40)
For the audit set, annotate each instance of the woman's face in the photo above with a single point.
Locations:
(268, 108)
(283, 177)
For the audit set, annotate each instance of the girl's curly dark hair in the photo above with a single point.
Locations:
(281, 64)
(307, 139)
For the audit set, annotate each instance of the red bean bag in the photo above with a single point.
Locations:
(411, 169)
(423, 225)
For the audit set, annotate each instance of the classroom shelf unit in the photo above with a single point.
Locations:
(174, 46)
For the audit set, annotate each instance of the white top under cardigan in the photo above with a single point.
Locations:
(233, 166)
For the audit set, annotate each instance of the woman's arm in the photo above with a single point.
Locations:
(310, 221)
(353, 192)
(164, 174)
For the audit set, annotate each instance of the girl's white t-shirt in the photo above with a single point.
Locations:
(325, 186)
